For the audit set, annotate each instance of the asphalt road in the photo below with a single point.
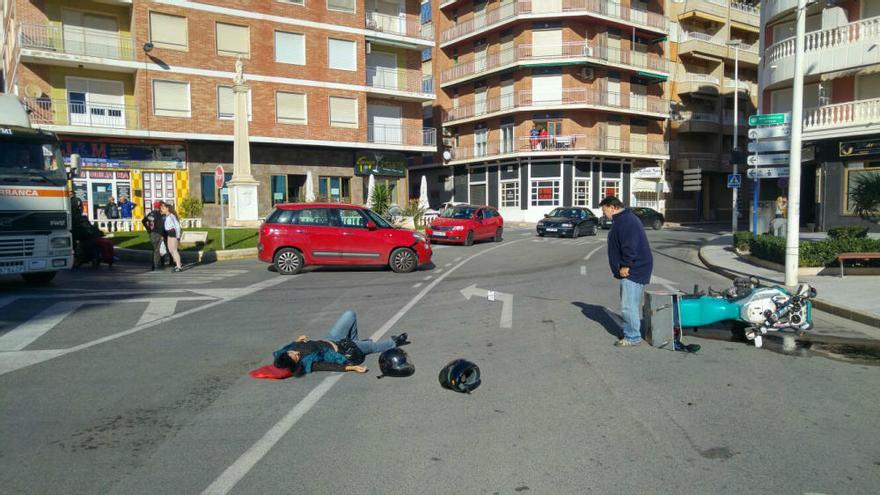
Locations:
(136, 382)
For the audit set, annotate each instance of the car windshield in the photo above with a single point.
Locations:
(33, 161)
(378, 220)
(459, 212)
(565, 212)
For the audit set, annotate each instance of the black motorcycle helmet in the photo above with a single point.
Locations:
(395, 362)
(461, 376)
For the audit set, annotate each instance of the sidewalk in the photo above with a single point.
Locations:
(854, 297)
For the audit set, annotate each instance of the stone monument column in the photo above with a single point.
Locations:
(243, 199)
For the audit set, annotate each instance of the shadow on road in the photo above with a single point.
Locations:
(600, 316)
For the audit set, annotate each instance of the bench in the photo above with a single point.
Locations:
(193, 237)
(855, 256)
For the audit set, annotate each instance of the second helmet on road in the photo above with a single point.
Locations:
(395, 362)
(460, 375)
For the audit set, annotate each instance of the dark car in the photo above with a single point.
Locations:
(649, 217)
(572, 222)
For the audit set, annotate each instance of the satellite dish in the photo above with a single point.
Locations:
(447, 155)
(33, 91)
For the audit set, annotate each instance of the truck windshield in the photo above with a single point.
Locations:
(31, 162)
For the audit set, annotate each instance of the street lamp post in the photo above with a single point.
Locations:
(734, 155)
(792, 228)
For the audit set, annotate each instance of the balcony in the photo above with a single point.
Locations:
(40, 42)
(536, 9)
(83, 114)
(408, 26)
(564, 144)
(401, 135)
(842, 119)
(574, 51)
(714, 11)
(693, 82)
(689, 121)
(829, 50)
(568, 98)
(745, 88)
(742, 122)
(407, 84)
(706, 46)
(744, 16)
(775, 8)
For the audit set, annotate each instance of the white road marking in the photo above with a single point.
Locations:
(591, 253)
(24, 334)
(583, 270)
(242, 466)
(457, 259)
(417, 285)
(429, 277)
(668, 284)
(438, 270)
(505, 298)
(157, 309)
(447, 265)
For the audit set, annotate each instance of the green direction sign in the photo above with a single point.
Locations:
(769, 119)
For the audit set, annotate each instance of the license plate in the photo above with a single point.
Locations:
(439, 234)
(551, 229)
(12, 269)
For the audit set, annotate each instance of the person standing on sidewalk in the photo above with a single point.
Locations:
(629, 256)
(154, 223)
(173, 231)
(125, 208)
(111, 211)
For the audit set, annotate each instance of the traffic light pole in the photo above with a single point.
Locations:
(792, 230)
(735, 155)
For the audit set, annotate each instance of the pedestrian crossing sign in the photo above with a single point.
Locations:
(734, 181)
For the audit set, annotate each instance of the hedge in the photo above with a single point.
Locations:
(848, 232)
(742, 240)
(812, 254)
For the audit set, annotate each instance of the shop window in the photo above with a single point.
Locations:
(334, 189)
(611, 187)
(510, 194)
(582, 192)
(545, 192)
(209, 191)
(853, 177)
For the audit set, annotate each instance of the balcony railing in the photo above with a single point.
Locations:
(727, 119)
(73, 40)
(560, 143)
(403, 25)
(708, 38)
(567, 50)
(80, 113)
(865, 29)
(568, 96)
(693, 77)
(401, 135)
(501, 14)
(744, 7)
(688, 115)
(397, 79)
(842, 115)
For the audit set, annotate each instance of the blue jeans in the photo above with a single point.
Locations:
(631, 309)
(346, 327)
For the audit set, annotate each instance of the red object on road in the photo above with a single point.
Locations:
(299, 234)
(219, 177)
(105, 250)
(271, 372)
(465, 224)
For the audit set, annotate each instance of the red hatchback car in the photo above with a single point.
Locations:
(299, 234)
(466, 224)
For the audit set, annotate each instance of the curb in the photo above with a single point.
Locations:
(821, 305)
(189, 256)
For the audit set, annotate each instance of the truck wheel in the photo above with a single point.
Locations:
(38, 278)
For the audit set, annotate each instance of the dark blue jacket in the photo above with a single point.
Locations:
(628, 246)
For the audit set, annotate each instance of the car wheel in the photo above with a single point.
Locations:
(469, 240)
(594, 230)
(403, 260)
(498, 235)
(288, 261)
(540, 234)
(38, 278)
(576, 232)
(657, 225)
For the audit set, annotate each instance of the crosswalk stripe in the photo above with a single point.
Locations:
(23, 335)
(158, 308)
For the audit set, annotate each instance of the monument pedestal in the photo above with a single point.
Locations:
(243, 203)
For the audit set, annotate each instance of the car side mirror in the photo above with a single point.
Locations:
(546, 215)
(371, 225)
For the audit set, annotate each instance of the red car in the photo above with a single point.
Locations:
(295, 235)
(466, 224)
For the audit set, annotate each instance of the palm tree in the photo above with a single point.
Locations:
(381, 199)
(865, 196)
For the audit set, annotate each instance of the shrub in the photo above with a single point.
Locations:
(191, 207)
(865, 196)
(848, 232)
(381, 199)
(742, 240)
(768, 247)
(812, 254)
(412, 210)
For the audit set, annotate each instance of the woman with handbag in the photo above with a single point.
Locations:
(173, 233)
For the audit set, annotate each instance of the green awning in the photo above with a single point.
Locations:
(656, 76)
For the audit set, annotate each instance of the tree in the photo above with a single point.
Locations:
(865, 196)
(191, 207)
(381, 199)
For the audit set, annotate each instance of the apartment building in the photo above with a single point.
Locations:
(142, 90)
(841, 101)
(550, 103)
(715, 60)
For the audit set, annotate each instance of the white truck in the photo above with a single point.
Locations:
(35, 238)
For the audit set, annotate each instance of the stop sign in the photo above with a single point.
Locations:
(219, 177)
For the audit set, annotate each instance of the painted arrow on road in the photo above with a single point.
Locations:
(505, 298)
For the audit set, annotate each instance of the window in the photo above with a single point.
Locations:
(290, 48)
(294, 2)
(341, 5)
(352, 218)
(168, 31)
(279, 189)
(481, 137)
(290, 108)
(226, 103)
(335, 189)
(341, 54)
(233, 40)
(582, 192)
(314, 216)
(343, 112)
(545, 192)
(510, 194)
(853, 177)
(282, 216)
(507, 138)
(611, 187)
(171, 98)
(209, 191)
(425, 15)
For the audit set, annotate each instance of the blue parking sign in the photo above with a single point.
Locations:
(734, 181)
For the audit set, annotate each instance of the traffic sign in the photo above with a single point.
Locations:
(219, 177)
(775, 145)
(770, 132)
(734, 181)
(693, 180)
(770, 119)
(691, 188)
(768, 172)
(778, 159)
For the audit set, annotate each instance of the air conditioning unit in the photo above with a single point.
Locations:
(588, 51)
(588, 73)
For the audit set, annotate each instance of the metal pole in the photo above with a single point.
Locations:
(792, 230)
(735, 190)
(222, 222)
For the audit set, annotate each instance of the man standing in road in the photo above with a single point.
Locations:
(629, 256)
(154, 223)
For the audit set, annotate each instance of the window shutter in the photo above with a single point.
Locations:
(171, 98)
(343, 112)
(233, 40)
(343, 5)
(341, 54)
(168, 31)
(290, 48)
(291, 108)
(225, 102)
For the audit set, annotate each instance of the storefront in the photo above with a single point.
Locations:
(387, 168)
(142, 171)
(840, 166)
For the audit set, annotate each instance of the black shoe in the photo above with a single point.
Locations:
(177, 270)
(400, 340)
